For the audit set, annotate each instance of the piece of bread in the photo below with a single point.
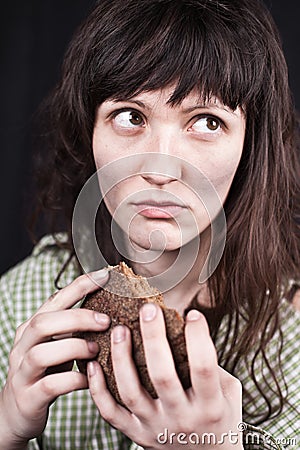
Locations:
(124, 309)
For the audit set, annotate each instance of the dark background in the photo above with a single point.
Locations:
(33, 37)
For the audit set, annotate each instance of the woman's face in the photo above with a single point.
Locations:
(166, 140)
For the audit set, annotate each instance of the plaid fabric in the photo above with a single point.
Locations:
(74, 422)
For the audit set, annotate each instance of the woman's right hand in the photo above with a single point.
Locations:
(40, 367)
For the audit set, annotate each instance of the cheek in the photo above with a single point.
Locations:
(101, 153)
(222, 183)
(104, 146)
(220, 171)
(108, 148)
(115, 199)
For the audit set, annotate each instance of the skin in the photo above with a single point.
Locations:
(31, 387)
(209, 137)
(214, 402)
(212, 405)
(39, 365)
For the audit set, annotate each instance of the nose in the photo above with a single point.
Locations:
(160, 166)
(160, 169)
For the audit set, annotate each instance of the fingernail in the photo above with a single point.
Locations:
(99, 275)
(102, 319)
(91, 368)
(193, 315)
(93, 346)
(148, 312)
(118, 334)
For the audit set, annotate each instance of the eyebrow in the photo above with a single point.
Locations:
(208, 105)
(135, 102)
(185, 110)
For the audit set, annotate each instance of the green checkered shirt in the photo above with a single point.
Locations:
(74, 422)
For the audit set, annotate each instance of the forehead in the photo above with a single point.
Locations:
(161, 98)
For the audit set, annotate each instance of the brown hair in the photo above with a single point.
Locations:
(226, 48)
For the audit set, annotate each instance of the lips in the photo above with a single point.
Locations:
(158, 210)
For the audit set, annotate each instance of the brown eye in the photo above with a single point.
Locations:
(128, 119)
(212, 124)
(136, 118)
(207, 125)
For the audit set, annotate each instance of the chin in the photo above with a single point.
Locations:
(157, 242)
(163, 237)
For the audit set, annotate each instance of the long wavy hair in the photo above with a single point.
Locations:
(226, 48)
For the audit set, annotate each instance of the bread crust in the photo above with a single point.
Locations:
(124, 310)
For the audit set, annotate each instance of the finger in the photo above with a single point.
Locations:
(42, 356)
(45, 325)
(68, 296)
(159, 358)
(204, 369)
(233, 394)
(231, 386)
(20, 330)
(115, 414)
(74, 292)
(48, 388)
(134, 396)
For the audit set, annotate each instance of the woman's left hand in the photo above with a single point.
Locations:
(208, 413)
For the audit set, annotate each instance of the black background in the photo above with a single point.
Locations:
(33, 37)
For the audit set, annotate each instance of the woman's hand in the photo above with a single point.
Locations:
(40, 363)
(208, 413)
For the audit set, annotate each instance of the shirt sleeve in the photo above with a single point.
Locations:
(135, 446)
(7, 329)
(281, 430)
(73, 421)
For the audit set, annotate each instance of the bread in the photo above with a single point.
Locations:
(124, 309)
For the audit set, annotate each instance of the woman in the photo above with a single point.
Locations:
(200, 84)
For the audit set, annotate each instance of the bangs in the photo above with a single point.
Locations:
(182, 43)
